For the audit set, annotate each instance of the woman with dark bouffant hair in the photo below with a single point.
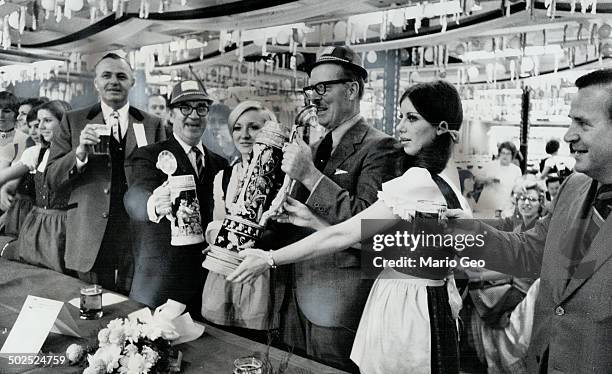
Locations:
(409, 321)
(42, 236)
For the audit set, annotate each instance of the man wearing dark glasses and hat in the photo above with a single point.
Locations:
(339, 176)
(163, 271)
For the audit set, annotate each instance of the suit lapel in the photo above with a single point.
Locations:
(598, 253)
(346, 147)
(95, 115)
(130, 137)
(563, 239)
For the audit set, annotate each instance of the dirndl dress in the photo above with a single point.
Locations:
(22, 204)
(42, 237)
(251, 305)
(409, 322)
(25, 195)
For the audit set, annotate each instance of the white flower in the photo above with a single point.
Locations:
(151, 331)
(137, 364)
(131, 329)
(96, 364)
(130, 349)
(74, 353)
(103, 336)
(116, 337)
(109, 355)
(116, 324)
(150, 355)
(93, 370)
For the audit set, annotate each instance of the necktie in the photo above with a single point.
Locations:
(199, 166)
(323, 152)
(114, 122)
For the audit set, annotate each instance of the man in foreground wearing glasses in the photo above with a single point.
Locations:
(98, 240)
(164, 271)
(339, 177)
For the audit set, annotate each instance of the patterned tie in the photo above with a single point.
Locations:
(199, 166)
(323, 152)
(113, 120)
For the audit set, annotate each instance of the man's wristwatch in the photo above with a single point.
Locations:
(270, 259)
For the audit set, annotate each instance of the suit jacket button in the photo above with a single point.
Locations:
(559, 310)
(104, 215)
(106, 191)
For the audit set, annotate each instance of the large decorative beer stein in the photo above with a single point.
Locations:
(246, 218)
(260, 194)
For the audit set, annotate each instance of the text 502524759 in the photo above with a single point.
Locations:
(32, 359)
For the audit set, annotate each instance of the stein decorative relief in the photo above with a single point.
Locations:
(253, 204)
(185, 219)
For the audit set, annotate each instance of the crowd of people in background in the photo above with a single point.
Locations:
(101, 216)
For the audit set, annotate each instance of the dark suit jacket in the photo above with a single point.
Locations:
(161, 270)
(573, 313)
(330, 290)
(90, 197)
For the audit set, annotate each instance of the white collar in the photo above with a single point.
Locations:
(186, 147)
(343, 128)
(123, 111)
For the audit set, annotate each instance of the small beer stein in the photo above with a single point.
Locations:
(91, 302)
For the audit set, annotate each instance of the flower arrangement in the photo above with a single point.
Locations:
(129, 346)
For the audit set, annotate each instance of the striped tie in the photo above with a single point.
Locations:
(199, 166)
(113, 120)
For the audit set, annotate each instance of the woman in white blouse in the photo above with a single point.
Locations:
(408, 324)
(225, 303)
(42, 236)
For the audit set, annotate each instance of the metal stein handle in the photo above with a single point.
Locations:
(304, 120)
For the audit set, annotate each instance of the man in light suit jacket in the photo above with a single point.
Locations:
(164, 271)
(98, 241)
(339, 177)
(570, 249)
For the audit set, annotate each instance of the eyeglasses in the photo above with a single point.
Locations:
(186, 110)
(523, 199)
(321, 87)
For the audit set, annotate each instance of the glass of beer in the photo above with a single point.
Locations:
(104, 132)
(248, 365)
(429, 216)
(91, 302)
(431, 210)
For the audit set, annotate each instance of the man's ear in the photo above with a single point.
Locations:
(353, 91)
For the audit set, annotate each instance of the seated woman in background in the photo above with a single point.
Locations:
(42, 236)
(17, 182)
(226, 303)
(409, 321)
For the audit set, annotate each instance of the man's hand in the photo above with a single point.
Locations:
(297, 163)
(299, 214)
(88, 138)
(161, 199)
